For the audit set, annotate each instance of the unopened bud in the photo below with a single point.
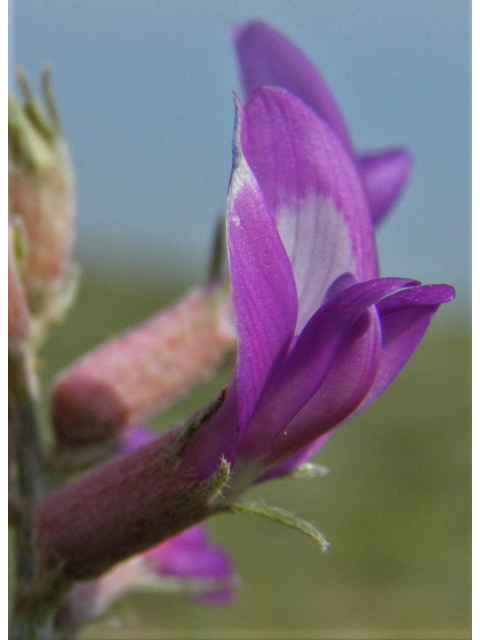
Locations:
(145, 370)
(41, 194)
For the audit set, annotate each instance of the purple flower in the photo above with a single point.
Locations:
(202, 568)
(266, 57)
(186, 562)
(134, 439)
(320, 335)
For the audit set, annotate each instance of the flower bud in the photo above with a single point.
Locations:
(41, 194)
(144, 370)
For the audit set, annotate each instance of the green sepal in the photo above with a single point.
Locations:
(49, 99)
(26, 145)
(274, 514)
(211, 489)
(35, 134)
(309, 470)
(200, 587)
(206, 494)
(33, 110)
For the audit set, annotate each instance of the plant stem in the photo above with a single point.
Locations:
(24, 431)
(36, 597)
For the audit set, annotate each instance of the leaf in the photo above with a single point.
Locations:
(274, 514)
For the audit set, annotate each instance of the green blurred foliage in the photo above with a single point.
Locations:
(395, 507)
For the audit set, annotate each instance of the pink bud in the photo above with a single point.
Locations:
(42, 194)
(144, 370)
(44, 202)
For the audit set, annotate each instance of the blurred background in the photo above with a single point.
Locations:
(144, 89)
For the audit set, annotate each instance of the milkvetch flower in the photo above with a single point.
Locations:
(186, 563)
(189, 561)
(134, 375)
(266, 57)
(320, 336)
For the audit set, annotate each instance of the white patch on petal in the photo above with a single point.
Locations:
(241, 178)
(317, 240)
(236, 220)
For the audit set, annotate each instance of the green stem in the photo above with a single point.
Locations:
(36, 597)
(27, 450)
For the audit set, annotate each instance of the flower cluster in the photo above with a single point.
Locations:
(319, 336)
(42, 205)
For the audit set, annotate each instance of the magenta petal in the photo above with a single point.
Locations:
(263, 288)
(135, 438)
(188, 557)
(311, 186)
(335, 331)
(351, 374)
(384, 176)
(404, 318)
(266, 57)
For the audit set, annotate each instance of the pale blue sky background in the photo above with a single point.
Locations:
(144, 88)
